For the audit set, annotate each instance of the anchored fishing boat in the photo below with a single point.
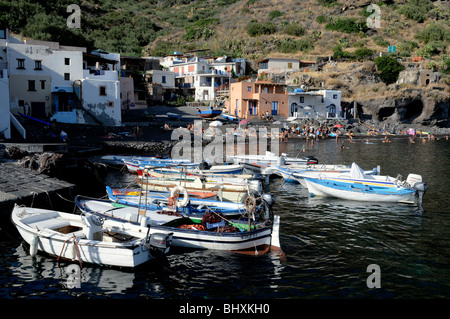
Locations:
(133, 165)
(160, 200)
(256, 233)
(88, 237)
(234, 192)
(270, 159)
(295, 173)
(209, 113)
(361, 187)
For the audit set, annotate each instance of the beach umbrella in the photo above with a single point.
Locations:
(244, 121)
(338, 126)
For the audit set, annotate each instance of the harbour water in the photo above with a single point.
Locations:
(328, 243)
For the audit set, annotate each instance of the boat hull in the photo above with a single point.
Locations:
(73, 246)
(359, 192)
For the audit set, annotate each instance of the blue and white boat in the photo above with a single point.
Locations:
(230, 117)
(209, 113)
(249, 235)
(134, 165)
(361, 187)
(297, 173)
(160, 200)
(173, 116)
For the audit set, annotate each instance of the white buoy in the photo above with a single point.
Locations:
(34, 245)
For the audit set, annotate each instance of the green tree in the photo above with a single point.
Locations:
(363, 53)
(389, 68)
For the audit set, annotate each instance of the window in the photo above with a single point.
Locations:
(249, 88)
(21, 63)
(163, 79)
(38, 65)
(289, 65)
(67, 61)
(264, 65)
(110, 103)
(42, 84)
(31, 85)
(302, 99)
(66, 76)
(256, 89)
(2, 34)
(335, 96)
(102, 91)
(266, 89)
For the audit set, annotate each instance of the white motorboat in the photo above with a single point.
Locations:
(88, 238)
(361, 187)
(297, 173)
(270, 159)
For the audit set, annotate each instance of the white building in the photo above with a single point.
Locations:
(97, 92)
(203, 77)
(315, 104)
(5, 124)
(274, 65)
(41, 77)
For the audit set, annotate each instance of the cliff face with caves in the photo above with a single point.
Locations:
(419, 96)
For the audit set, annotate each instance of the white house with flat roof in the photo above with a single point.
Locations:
(324, 104)
(41, 76)
(5, 123)
(204, 77)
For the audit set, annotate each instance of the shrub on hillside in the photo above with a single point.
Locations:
(347, 25)
(416, 9)
(434, 32)
(389, 68)
(255, 29)
(275, 14)
(294, 29)
(363, 53)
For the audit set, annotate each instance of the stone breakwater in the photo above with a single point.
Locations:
(138, 147)
(22, 186)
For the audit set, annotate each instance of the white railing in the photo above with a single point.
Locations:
(18, 126)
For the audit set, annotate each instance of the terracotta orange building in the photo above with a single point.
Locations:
(251, 100)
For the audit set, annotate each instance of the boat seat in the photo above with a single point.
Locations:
(50, 224)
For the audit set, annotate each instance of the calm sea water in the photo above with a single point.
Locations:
(328, 244)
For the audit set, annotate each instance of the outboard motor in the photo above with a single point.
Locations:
(267, 202)
(254, 186)
(204, 166)
(311, 160)
(418, 185)
(160, 243)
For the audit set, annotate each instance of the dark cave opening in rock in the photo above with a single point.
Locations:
(413, 110)
(385, 112)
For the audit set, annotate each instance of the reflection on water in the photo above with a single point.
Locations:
(328, 243)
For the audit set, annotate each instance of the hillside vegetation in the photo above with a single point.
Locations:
(251, 29)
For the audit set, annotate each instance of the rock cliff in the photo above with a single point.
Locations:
(419, 96)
